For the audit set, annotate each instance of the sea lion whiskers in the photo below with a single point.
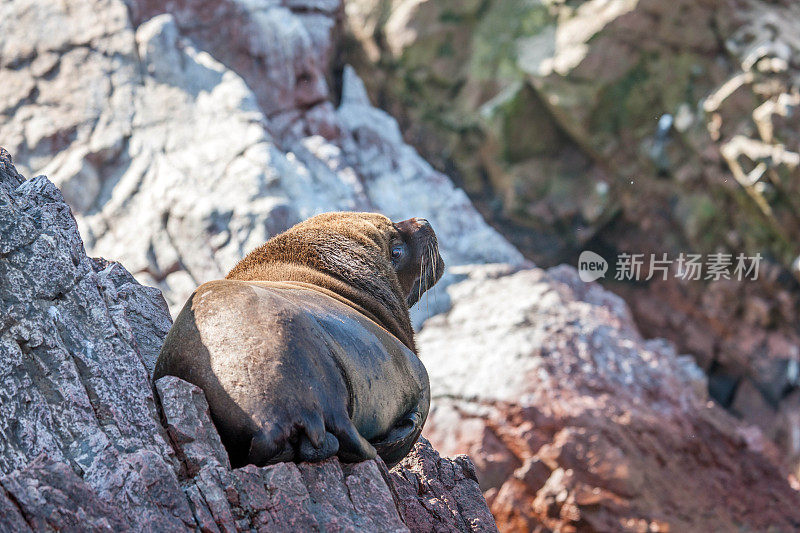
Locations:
(419, 286)
(428, 272)
(434, 256)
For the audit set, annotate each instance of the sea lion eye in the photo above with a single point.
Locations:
(398, 253)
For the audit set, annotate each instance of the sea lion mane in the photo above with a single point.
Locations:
(345, 253)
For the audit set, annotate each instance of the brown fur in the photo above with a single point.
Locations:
(306, 349)
(346, 253)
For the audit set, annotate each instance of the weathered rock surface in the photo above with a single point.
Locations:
(183, 134)
(75, 389)
(577, 423)
(141, 127)
(82, 447)
(638, 126)
(439, 494)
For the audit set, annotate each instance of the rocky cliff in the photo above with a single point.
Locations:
(638, 126)
(182, 134)
(89, 445)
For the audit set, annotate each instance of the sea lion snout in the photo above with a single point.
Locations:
(426, 266)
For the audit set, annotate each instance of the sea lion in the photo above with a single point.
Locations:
(305, 350)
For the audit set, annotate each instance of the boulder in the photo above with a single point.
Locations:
(576, 423)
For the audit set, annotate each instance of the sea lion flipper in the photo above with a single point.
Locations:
(308, 452)
(396, 444)
(314, 429)
(352, 446)
(269, 445)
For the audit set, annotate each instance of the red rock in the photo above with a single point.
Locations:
(439, 494)
(614, 432)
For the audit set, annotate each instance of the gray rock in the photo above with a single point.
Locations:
(208, 127)
(49, 496)
(509, 312)
(74, 376)
(189, 425)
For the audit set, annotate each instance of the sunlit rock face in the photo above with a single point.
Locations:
(183, 140)
(638, 126)
(547, 110)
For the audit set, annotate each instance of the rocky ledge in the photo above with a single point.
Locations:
(87, 443)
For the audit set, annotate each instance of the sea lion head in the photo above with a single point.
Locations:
(415, 258)
(381, 266)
